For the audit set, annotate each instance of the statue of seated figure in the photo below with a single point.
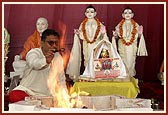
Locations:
(33, 41)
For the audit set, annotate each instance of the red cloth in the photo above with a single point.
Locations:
(17, 95)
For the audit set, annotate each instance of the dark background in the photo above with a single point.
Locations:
(20, 19)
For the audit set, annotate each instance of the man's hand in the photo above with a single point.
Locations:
(50, 55)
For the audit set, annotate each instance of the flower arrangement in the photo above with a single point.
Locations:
(84, 30)
(133, 32)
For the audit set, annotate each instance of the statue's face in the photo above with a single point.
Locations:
(90, 13)
(127, 14)
(41, 25)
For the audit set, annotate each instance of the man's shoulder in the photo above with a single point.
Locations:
(34, 53)
(38, 50)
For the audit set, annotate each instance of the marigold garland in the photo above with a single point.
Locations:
(133, 32)
(84, 30)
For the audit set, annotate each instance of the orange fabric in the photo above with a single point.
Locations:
(33, 41)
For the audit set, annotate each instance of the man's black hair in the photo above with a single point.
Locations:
(49, 32)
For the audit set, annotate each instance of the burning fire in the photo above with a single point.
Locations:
(57, 83)
(57, 86)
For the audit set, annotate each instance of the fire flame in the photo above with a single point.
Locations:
(56, 79)
(63, 28)
(58, 88)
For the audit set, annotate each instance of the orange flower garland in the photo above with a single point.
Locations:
(133, 32)
(84, 30)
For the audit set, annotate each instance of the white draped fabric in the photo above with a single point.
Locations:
(129, 53)
(89, 71)
(73, 67)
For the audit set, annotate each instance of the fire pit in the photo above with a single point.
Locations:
(83, 103)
